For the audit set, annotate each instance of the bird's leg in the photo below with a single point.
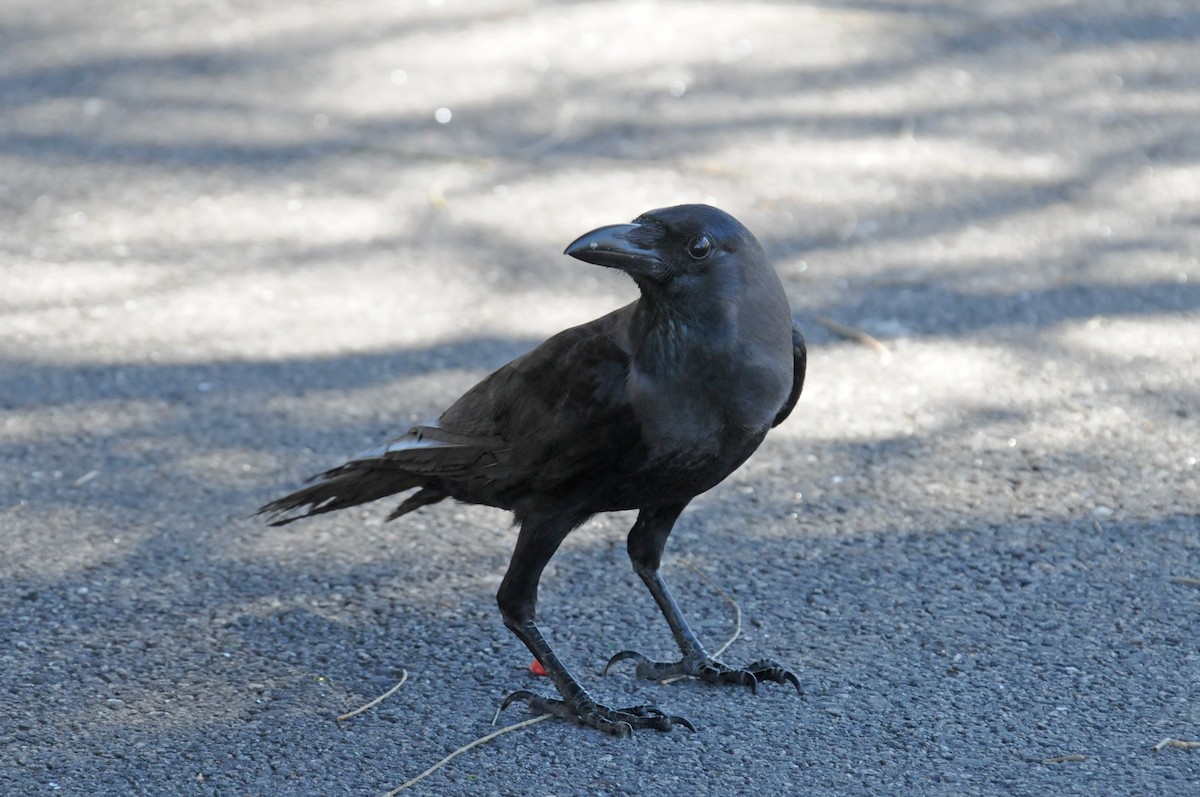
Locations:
(517, 599)
(647, 539)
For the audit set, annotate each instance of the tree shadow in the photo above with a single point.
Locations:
(266, 634)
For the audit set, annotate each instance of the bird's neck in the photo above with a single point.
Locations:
(705, 359)
(674, 338)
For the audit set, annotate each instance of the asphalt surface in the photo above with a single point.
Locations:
(240, 240)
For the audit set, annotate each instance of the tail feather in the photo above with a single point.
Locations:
(422, 458)
(423, 497)
(349, 485)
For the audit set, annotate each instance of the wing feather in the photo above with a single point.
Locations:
(799, 365)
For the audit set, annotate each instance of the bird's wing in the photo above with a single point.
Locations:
(799, 363)
(555, 412)
(430, 450)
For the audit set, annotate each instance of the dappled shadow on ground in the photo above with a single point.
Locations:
(215, 79)
(896, 635)
(201, 96)
(1004, 519)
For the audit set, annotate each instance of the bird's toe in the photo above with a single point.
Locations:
(708, 669)
(619, 722)
(765, 670)
(648, 669)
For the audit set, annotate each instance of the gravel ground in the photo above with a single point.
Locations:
(241, 239)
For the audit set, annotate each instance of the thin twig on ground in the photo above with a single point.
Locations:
(856, 335)
(1062, 759)
(1169, 742)
(376, 701)
(463, 749)
(737, 616)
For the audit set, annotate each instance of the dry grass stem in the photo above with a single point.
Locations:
(737, 616)
(737, 610)
(376, 701)
(463, 749)
(856, 335)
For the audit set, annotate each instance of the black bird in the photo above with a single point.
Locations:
(644, 408)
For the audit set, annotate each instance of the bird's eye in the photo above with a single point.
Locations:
(700, 247)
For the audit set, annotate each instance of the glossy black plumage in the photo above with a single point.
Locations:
(643, 408)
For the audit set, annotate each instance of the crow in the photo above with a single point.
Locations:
(644, 408)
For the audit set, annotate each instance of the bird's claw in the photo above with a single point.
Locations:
(643, 663)
(707, 669)
(702, 667)
(766, 670)
(617, 721)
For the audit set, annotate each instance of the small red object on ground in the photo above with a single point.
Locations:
(536, 668)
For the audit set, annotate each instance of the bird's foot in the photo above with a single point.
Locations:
(617, 721)
(707, 669)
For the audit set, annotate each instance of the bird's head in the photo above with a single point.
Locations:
(683, 250)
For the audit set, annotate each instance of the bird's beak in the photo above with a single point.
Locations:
(628, 247)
